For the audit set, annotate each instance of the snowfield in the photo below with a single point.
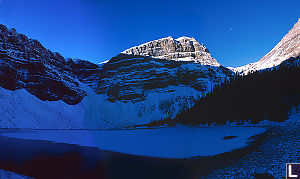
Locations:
(20, 109)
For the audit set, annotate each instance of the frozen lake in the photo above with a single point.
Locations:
(172, 142)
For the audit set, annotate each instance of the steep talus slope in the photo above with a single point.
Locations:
(288, 47)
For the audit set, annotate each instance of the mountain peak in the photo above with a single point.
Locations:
(180, 49)
(185, 38)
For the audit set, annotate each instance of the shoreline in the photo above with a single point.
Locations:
(281, 145)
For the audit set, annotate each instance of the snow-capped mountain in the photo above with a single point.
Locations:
(42, 89)
(288, 47)
(159, 78)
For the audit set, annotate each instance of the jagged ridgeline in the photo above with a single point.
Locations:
(262, 95)
(26, 63)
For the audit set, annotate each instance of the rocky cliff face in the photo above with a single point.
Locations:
(25, 63)
(180, 49)
(288, 47)
(132, 77)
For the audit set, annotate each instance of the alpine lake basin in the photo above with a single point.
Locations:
(176, 152)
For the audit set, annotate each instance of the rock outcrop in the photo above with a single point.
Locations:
(25, 63)
(180, 49)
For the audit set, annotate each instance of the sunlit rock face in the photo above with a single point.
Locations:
(180, 49)
(288, 47)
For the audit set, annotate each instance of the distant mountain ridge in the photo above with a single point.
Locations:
(288, 47)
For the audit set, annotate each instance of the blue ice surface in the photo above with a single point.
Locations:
(172, 142)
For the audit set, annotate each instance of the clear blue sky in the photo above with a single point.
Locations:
(235, 32)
